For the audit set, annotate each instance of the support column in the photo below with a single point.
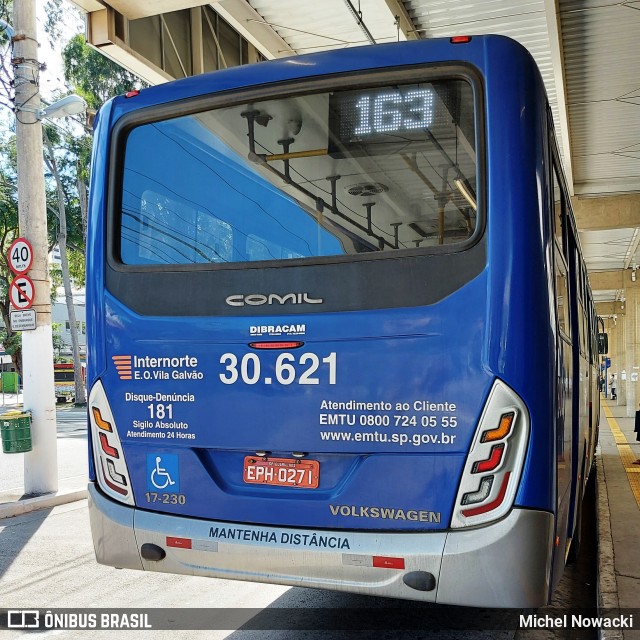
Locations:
(618, 364)
(631, 349)
(611, 330)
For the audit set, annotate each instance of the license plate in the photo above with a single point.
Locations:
(282, 472)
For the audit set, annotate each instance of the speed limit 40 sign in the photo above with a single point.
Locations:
(20, 256)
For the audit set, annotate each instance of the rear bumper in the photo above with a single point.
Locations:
(506, 564)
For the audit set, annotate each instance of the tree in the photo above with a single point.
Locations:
(9, 231)
(58, 342)
(93, 76)
(9, 227)
(6, 72)
(96, 78)
(50, 159)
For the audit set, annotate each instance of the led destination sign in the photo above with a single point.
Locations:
(371, 118)
(389, 111)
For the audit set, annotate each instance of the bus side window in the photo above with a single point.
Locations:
(562, 293)
(582, 318)
(558, 209)
(562, 300)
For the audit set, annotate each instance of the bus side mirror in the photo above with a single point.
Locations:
(603, 343)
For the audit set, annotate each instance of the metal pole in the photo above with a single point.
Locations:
(40, 464)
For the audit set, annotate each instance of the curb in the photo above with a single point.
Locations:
(607, 583)
(47, 501)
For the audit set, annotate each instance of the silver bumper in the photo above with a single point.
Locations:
(506, 564)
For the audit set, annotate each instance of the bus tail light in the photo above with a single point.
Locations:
(276, 345)
(492, 462)
(481, 494)
(111, 468)
(492, 471)
(502, 430)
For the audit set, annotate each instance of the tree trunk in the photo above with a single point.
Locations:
(64, 264)
(84, 205)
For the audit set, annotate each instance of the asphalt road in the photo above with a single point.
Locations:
(47, 562)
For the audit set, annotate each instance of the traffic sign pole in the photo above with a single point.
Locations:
(41, 463)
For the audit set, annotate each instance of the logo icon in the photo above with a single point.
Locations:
(163, 473)
(23, 619)
(257, 299)
(123, 366)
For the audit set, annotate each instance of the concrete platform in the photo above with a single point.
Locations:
(71, 461)
(14, 503)
(618, 515)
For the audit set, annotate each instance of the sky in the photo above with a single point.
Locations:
(52, 78)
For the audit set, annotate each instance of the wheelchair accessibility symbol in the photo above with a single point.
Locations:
(163, 473)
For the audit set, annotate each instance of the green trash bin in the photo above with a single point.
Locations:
(16, 431)
(9, 382)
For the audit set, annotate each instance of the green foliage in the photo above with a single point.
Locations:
(8, 233)
(66, 163)
(58, 342)
(53, 20)
(6, 77)
(97, 79)
(72, 153)
(76, 267)
(6, 11)
(93, 76)
(11, 341)
(76, 271)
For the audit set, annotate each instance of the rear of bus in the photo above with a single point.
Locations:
(64, 381)
(306, 364)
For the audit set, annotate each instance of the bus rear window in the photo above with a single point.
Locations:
(373, 170)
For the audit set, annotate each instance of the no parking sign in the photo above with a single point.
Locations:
(22, 292)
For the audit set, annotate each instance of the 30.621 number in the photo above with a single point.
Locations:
(303, 369)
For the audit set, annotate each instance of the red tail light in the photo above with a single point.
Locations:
(498, 450)
(111, 467)
(492, 462)
(276, 345)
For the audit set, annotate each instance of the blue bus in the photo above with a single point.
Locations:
(341, 333)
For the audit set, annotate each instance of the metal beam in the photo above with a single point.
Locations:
(250, 24)
(611, 212)
(609, 280)
(405, 23)
(88, 5)
(101, 34)
(609, 308)
(557, 61)
(134, 9)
